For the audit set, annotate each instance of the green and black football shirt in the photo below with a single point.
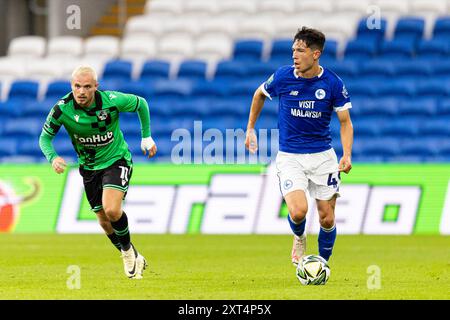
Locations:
(94, 130)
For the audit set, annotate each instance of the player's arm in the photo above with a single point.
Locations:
(49, 130)
(345, 164)
(133, 103)
(258, 100)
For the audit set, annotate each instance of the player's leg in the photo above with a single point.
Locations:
(298, 207)
(293, 183)
(115, 186)
(107, 227)
(327, 233)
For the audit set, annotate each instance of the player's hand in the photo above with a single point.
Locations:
(59, 165)
(147, 144)
(345, 164)
(251, 141)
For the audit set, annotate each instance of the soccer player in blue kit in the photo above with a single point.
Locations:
(308, 95)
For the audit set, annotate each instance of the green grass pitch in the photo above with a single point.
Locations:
(221, 267)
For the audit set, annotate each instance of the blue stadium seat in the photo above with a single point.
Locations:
(397, 49)
(111, 84)
(57, 89)
(398, 127)
(417, 106)
(432, 88)
(192, 70)
(444, 107)
(259, 71)
(8, 146)
(243, 90)
(346, 69)
(419, 147)
(230, 70)
(139, 88)
(155, 69)
(410, 69)
(361, 48)
(437, 48)
(441, 28)
(30, 147)
(361, 88)
(38, 109)
(378, 69)
(411, 28)
(230, 107)
(118, 70)
(248, 50)
(367, 29)
(330, 50)
(171, 89)
(194, 107)
(441, 70)
(24, 89)
(210, 89)
(435, 127)
(13, 107)
(24, 127)
(378, 106)
(400, 89)
(281, 50)
(366, 128)
(382, 147)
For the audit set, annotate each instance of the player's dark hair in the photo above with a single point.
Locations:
(313, 38)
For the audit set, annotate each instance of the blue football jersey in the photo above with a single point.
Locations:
(305, 108)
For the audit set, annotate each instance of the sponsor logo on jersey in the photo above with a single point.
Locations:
(344, 92)
(320, 94)
(76, 117)
(293, 93)
(96, 140)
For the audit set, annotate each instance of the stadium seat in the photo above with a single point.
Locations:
(57, 89)
(257, 28)
(27, 47)
(361, 88)
(200, 8)
(171, 89)
(101, 48)
(139, 88)
(410, 69)
(346, 69)
(38, 109)
(8, 146)
(379, 106)
(155, 69)
(44, 70)
(287, 27)
(435, 127)
(230, 70)
(220, 24)
(236, 8)
(381, 146)
(213, 46)
(361, 48)
(339, 27)
(24, 89)
(366, 128)
(144, 26)
(248, 50)
(399, 89)
(330, 50)
(118, 70)
(399, 128)
(437, 48)
(419, 146)
(444, 107)
(441, 28)
(258, 71)
(210, 89)
(160, 7)
(432, 88)
(398, 49)
(314, 7)
(371, 29)
(11, 69)
(138, 48)
(29, 147)
(358, 8)
(276, 9)
(281, 50)
(23, 127)
(410, 28)
(441, 70)
(192, 70)
(63, 47)
(176, 47)
(417, 106)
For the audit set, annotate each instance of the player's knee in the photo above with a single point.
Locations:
(327, 221)
(112, 213)
(298, 212)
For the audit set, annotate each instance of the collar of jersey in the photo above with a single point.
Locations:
(98, 103)
(316, 77)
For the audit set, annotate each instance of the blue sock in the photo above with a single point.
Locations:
(297, 229)
(326, 241)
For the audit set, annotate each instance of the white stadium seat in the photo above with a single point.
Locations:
(236, 8)
(175, 47)
(430, 10)
(138, 48)
(213, 46)
(287, 28)
(276, 8)
(314, 7)
(145, 25)
(356, 7)
(65, 46)
(43, 69)
(27, 47)
(391, 10)
(101, 47)
(256, 28)
(228, 25)
(165, 7)
(200, 8)
(182, 25)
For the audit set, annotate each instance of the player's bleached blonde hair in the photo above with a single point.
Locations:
(83, 69)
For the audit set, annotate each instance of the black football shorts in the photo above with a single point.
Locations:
(117, 176)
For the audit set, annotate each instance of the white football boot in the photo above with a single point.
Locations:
(298, 248)
(129, 261)
(141, 265)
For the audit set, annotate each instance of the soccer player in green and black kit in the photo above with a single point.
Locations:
(91, 117)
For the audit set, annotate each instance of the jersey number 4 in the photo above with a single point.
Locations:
(332, 181)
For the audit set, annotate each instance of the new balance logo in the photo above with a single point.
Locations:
(293, 93)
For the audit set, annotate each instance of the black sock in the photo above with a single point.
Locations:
(114, 240)
(121, 230)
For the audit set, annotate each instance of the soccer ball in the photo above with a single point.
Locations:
(313, 269)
